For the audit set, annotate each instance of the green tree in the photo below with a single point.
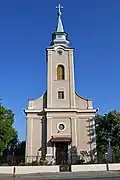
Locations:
(20, 149)
(8, 134)
(108, 126)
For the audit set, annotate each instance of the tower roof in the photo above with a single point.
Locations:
(59, 37)
(59, 25)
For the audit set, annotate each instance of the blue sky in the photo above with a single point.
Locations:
(26, 27)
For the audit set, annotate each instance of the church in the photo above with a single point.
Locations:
(60, 123)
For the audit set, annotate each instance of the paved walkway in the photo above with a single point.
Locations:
(65, 176)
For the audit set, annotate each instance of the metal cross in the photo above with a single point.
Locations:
(59, 7)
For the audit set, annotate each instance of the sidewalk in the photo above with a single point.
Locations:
(62, 175)
(72, 175)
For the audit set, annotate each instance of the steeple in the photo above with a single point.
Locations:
(59, 25)
(59, 37)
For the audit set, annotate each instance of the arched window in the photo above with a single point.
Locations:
(60, 72)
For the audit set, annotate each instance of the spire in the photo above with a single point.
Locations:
(59, 37)
(59, 25)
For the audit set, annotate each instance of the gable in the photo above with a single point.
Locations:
(82, 103)
(39, 103)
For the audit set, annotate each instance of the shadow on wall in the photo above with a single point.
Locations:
(73, 157)
(92, 140)
(82, 158)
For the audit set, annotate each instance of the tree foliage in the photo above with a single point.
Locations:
(7, 132)
(108, 126)
(19, 149)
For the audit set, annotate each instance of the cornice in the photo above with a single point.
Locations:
(61, 110)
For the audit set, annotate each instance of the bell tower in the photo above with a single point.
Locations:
(60, 69)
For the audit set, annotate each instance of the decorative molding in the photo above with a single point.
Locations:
(70, 110)
(59, 109)
(48, 117)
(49, 51)
(62, 135)
(59, 47)
(33, 110)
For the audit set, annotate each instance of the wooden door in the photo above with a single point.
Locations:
(61, 153)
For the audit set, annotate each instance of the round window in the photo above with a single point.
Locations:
(61, 127)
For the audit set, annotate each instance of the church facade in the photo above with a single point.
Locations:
(60, 124)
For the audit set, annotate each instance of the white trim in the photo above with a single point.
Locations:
(59, 47)
(51, 78)
(60, 129)
(70, 110)
(33, 110)
(76, 130)
(48, 117)
(27, 135)
(40, 135)
(62, 135)
(61, 110)
(73, 78)
(51, 126)
(54, 47)
(31, 134)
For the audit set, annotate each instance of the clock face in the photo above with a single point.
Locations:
(60, 51)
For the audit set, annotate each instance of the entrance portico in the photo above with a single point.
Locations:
(61, 145)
